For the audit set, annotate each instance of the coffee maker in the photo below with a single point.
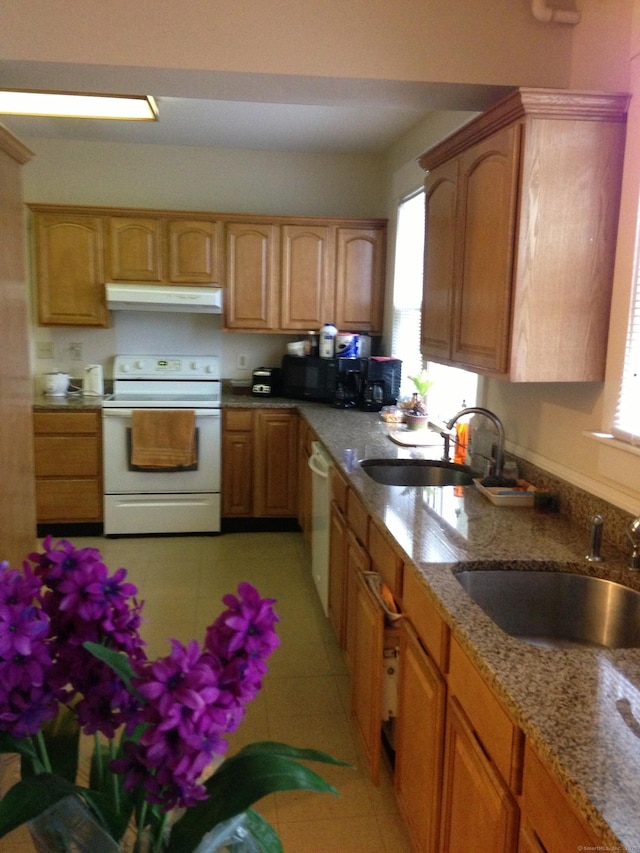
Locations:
(381, 374)
(348, 383)
(372, 395)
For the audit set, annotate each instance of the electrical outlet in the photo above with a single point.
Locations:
(44, 349)
(242, 361)
(75, 352)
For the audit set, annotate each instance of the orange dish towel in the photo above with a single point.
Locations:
(163, 438)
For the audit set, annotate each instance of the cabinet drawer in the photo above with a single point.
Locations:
(358, 518)
(49, 423)
(500, 738)
(339, 489)
(240, 420)
(549, 813)
(385, 561)
(68, 500)
(66, 456)
(430, 627)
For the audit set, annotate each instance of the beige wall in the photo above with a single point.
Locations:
(434, 40)
(547, 423)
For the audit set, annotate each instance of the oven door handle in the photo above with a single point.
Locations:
(126, 413)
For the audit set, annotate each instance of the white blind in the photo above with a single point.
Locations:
(626, 423)
(407, 287)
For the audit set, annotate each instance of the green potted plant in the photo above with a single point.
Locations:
(416, 416)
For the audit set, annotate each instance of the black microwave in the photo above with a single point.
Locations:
(309, 378)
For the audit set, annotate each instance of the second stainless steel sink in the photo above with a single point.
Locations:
(417, 472)
(557, 609)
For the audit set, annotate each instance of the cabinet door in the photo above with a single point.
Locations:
(439, 261)
(487, 206)
(305, 496)
(68, 467)
(337, 572)
(69, 259)
(360, 268)
(195, 251)
(276, 463)
(306, 295)
(549, 821)
(251, 297)
(357, 564)
(135, 249)
(419, 741)
(478, 810)
(237, 462)
(366, 675)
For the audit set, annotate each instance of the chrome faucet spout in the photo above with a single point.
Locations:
(495, 420)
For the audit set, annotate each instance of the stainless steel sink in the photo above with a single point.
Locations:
(557, 609)
(417, 472)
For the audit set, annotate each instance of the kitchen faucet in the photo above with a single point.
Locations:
(633, 532)
(495, 420)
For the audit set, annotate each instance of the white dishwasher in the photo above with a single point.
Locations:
(320, 463)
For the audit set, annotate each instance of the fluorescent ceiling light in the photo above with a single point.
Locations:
(70, 105)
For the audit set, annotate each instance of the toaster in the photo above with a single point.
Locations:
(266, 382)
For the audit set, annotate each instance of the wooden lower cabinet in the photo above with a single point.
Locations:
(237, 463)
(419, 741)
(357, 563)
(305, 491)
(276, 477)
(478, 810)
(338, 573)
(370, 638)
(259, 463)
(549, 821)
(68, 467)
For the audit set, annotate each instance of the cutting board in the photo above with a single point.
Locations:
(415, 437)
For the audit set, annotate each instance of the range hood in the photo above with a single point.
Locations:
(155, 297)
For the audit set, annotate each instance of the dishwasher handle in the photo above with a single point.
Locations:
(319, 462)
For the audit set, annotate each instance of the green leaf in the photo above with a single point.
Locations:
(111, 815)
(273, 747)
(244, 778)
(118, 661)
(22, 746)
(29, 798)
(62, 740)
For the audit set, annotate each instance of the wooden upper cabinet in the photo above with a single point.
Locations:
(521, 218)
(69, 261)
(482, 300)
(135, 249)
(195, 251)
(440, 196)
(360, 268)
(251, 298)
(307, 298)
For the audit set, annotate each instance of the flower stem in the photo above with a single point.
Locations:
(44, 755)
(98, 758)
(114, 776)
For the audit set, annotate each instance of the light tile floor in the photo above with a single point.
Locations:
(305, 696)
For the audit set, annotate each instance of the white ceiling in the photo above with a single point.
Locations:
(278, 112)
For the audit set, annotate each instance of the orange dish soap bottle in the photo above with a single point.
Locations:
(462, 440)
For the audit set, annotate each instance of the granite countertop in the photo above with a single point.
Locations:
(580, 708)
(70, 402)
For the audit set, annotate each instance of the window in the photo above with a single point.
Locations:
(407, 288)
(626, 422)
(451, 385)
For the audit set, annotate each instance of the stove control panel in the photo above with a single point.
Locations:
(166, 367)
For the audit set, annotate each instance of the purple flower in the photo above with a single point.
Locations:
(86, 604)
